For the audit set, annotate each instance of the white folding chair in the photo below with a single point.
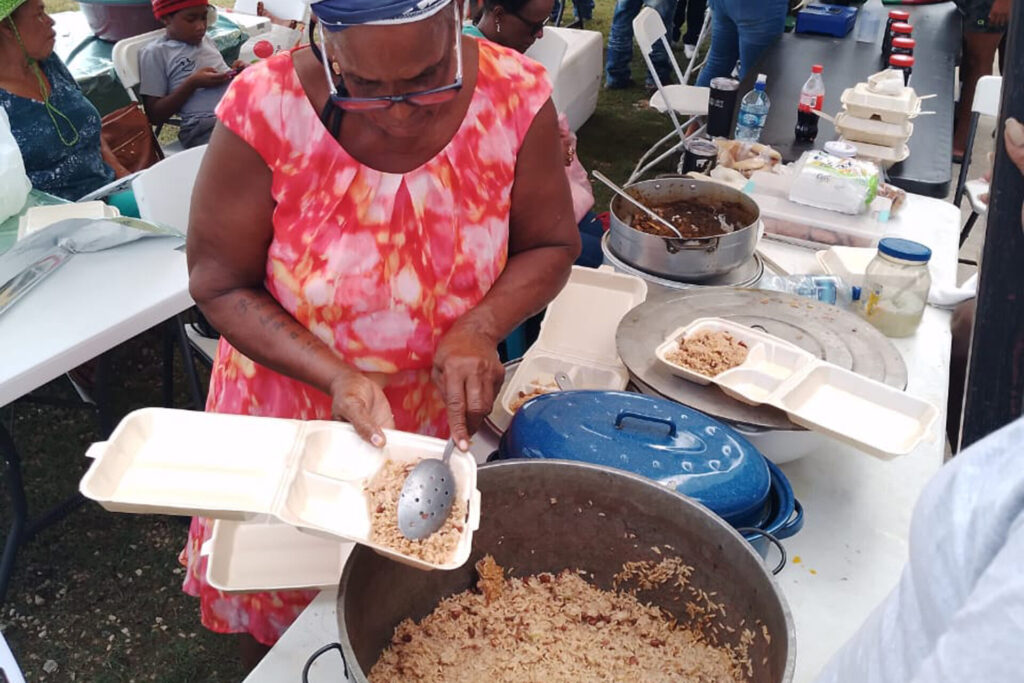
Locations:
(986, 103)
(125, 57)
(164, 195)
(9, 669)
(676, 100)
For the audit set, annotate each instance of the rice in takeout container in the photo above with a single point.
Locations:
(317, 476)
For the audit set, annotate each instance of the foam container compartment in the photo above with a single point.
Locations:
(861, 102)
(876, 132)
(308, 474)
(870, 415)
(39, 217)
(880, 154)
(849, 263)
(259, 555)
(810, 226)
(578, 334)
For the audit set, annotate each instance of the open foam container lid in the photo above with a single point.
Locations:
(310, 475)
(867, 414)
(578, 333)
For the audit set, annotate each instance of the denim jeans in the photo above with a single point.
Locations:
(620, 41)
(582, 9)
(741, 30)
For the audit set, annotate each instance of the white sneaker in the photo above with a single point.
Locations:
(689, 51)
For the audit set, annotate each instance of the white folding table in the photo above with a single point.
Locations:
(86, 307)
(857, 508)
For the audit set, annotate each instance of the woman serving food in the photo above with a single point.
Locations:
(372, 217)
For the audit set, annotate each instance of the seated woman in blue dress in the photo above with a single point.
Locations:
(56, 127)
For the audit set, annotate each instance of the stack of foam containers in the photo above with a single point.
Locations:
(877, 116)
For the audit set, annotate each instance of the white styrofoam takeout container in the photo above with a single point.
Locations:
(39, 217)
(578, 335)
(861, 102)
(848, 263)
(260, 555)
(867, 414)
(880, 154)
(311, 475)
(875, 132)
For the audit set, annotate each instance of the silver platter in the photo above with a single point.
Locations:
(830, 333)
(745, 276)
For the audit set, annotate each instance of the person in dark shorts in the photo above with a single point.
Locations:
(985, 24)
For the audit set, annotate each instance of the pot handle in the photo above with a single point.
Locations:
(672, 431)
(694, 244)
(772, 539)
(316, 655)
(794, 524)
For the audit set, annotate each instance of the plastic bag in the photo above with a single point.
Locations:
(834, 183)
(14, 183)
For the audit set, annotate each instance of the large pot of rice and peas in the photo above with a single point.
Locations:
(579, 573)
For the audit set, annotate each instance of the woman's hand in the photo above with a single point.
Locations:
(469, 374)
(999, 15)
(358, 400)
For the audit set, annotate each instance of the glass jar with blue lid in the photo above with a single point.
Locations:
(896, 285)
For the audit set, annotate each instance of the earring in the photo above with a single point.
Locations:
(497, 24)
(336, 68)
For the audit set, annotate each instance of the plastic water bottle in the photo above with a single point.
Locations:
(827, 289)
(812, 97)
(753, 112)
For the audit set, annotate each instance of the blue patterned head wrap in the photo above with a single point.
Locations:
(338, 14)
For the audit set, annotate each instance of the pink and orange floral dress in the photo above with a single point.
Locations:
(377, 265)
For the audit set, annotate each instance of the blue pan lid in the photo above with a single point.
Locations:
(665, 441)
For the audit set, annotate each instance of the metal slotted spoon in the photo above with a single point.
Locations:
(427, 494)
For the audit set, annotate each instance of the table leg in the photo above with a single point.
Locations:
(19, 506)
(168, 336)
(188, 363)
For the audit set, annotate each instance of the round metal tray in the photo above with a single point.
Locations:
(744, 276)
(830, 333)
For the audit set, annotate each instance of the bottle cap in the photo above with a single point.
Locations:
(905, 43)
(817, 69)
(906, 250)
(903, 28)
(901, 61)
(899, 15)
(263, 49)
(761, 82)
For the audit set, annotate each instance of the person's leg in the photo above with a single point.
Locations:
(694, 20)
(678, 19)
(583, 9)
(620, 44)
(759, 25)
(251, 651)
(667, 10)
(725, 45)
(979, 54)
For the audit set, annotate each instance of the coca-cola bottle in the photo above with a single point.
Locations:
(812, 97)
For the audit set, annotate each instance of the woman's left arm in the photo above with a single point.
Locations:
(111, 160)
(543, 243)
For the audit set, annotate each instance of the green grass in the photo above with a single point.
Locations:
(99, 594)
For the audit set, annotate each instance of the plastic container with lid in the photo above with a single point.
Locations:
(841, 149)
(899, 29)
(896, 16)
(896, 286)
(903, 46)
(904, 63)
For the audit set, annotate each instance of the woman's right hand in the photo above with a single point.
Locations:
(358, 400)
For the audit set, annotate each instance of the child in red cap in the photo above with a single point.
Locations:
(182, 72)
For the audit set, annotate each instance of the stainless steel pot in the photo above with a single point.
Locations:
(674, 258)
(602, 518)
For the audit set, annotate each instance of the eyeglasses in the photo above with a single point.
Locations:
(535, 27)
(419, 98)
